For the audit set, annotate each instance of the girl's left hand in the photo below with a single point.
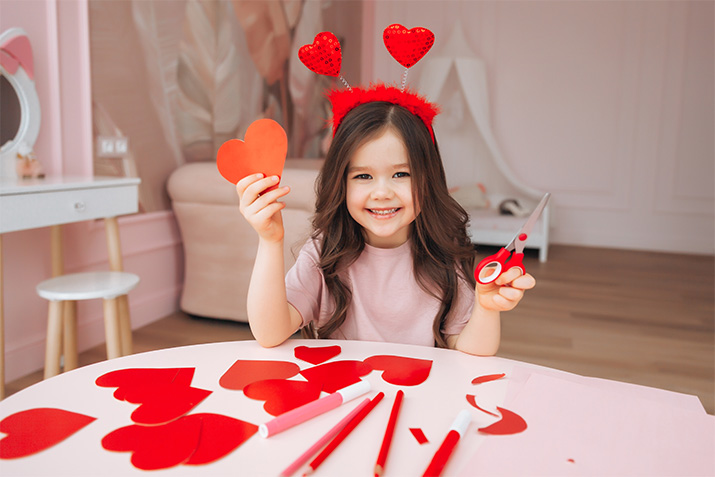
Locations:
(504, 293)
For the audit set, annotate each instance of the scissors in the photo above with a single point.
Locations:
(504, 260)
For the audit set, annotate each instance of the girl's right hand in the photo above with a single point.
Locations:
(262, 211)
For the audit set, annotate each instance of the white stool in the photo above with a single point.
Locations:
(63, 292)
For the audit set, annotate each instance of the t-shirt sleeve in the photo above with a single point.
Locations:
(304, 283)
(462, 311)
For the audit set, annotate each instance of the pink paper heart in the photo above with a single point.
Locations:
(244, 372)
(401, 370)
(316, 355)
(263, 150)
(32, 431)
(282, 395)
(336, 375)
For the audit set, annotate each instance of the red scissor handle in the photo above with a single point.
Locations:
(498, 264)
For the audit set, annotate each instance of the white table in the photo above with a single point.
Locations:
(430, 406)
(53, 201)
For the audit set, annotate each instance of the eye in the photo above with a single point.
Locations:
(400, 175)
(363, 177)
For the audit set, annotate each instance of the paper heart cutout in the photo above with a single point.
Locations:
(336, 375)
(282, 395)
(316, 355)
(323, 56)
(220, 435)
(407, 46)
(487, 378)
(471, 399)
(401, 370)
(34, 430)
(263, 150)
(163, 394)
(244, 372)
(510, 423)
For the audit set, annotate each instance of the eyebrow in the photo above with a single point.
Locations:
(403, 165)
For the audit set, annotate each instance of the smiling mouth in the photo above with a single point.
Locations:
(383, 212)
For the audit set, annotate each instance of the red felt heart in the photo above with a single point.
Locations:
(323, 56)
(282, 395)
(35, 430)
(471, 399)
(316, 355)
(401, 370)
(510, 423)
(407, 46)
(163, 394)
(263, 151)
(487, 378)
(336, 375)
(244, 372)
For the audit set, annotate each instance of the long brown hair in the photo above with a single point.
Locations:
(441, 250)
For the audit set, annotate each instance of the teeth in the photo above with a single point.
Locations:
(383, 212)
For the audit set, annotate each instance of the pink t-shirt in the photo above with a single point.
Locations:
(387, 302)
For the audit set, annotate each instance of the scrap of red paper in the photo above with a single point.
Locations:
(336, 375)
(34, 430)
(316, 355)
(401, 370)
(264, 150)
(282, 395)
(487, 378)
(244, 372)
(473, 401)
(419, 435)
(163, 394)
(510, 423)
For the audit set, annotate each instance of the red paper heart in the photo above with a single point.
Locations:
(471, 399)
(336, 375)
(487, 378)
(282, 395)
(32, 431)
(192, 440)
(263, 150)
(323, 56)
(407, 46)
(316, 355)
(244, 372)
(510, 423)
(401, 370)
(163, 394)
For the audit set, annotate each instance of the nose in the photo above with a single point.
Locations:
(382, 189)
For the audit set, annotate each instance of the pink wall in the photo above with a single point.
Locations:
(151, 244)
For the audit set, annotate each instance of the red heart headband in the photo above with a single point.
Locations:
(324, 56)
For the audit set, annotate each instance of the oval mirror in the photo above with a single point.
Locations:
(20, 123)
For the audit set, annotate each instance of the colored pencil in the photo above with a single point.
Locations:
(389, 432)
(459, 427)
(343, 434)
(312, 409)
(323, 440)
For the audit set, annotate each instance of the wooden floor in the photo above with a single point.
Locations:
(640, 317)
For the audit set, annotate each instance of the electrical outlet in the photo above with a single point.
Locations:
(112, 146)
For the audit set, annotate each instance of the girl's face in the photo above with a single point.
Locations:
(379, 191)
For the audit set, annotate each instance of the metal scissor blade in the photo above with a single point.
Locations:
(529, 224)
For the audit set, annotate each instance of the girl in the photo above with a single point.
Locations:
(389, 258)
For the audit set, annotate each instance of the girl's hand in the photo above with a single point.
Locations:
(262, 211)
(504, 293)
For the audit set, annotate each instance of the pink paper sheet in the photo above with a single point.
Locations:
(579, 429)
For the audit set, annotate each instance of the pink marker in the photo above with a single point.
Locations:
(312, 409)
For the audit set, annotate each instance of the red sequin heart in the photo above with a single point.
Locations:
(407, 46)
(35, 430)
(324, 56)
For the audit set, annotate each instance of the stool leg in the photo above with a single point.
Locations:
(54, 339)
(69, 317)
(125, 325)
(111, 328)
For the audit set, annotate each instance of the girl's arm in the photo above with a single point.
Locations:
(271, 318)
(482, 334)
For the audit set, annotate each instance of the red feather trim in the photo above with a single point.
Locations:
(344, 100)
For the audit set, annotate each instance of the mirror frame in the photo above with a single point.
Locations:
(24, 86)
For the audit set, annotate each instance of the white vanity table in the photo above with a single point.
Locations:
(50, 202)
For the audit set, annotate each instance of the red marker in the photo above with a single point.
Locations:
(459, 427)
